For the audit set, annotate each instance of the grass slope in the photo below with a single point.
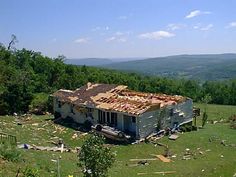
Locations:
(216, 160)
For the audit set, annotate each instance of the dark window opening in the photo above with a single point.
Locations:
(133, 119)
(89, 109)
(171, 112)
(59, 104)
(72, 109)
(108, 118)
(103, 117)
(114, 119)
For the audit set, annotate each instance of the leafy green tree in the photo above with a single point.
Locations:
(206, 99)
(95, 158)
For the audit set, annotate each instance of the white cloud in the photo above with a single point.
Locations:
(197, 13)
(111, 39)
(99, 28)
(123, 17)
(206, 28)
(96, 28)
(173, 26)
(201, 27)
(81, 40)
(122, 40)
(197, 26)
(156, 35)
(232, 25)
(118, 33)
(117, 39)
(54, 40)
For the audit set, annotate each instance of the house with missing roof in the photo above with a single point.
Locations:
(135, 113)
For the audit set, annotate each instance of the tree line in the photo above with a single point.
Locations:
(27, 78)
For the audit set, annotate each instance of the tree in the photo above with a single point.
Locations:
(12, 42)
(95, 158)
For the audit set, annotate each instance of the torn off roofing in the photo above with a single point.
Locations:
(116, 98)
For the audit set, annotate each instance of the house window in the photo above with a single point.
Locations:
(59, 104)
(72, 108)
(133, 119)
(89, 109)
(114, 119)
(101, 117)
(171, 112)
(108, 118)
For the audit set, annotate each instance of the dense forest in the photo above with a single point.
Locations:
(27, 78)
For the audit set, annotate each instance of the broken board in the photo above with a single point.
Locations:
(163, 158)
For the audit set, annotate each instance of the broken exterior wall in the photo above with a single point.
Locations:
(62, 108)
(182, 113)
(80, 115)
(169, 116)
(147, 123)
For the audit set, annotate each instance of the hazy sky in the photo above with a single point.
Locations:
(120, 28)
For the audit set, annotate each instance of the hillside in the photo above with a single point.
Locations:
(89, 61)
(199, 67)
(98, 61)
(207, 158)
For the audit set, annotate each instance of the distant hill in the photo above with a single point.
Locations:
(89, 61)
(99, 61)
(200, 67)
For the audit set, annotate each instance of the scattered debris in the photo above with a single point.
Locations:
(111, 133)
(173, 137)
(47, 148)
(74, 136)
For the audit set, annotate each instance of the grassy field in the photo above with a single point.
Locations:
(209, 158)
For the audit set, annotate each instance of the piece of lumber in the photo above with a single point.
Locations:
(163, 158)
(132, 160)
(157, 172)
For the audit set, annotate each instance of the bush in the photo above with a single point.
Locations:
(9, 152)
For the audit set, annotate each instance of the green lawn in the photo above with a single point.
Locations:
(214, 160)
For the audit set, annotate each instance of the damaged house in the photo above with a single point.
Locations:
(135, 113)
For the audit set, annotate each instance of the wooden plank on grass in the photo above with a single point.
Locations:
(163, 158)
(157, 172)
(132, 160)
